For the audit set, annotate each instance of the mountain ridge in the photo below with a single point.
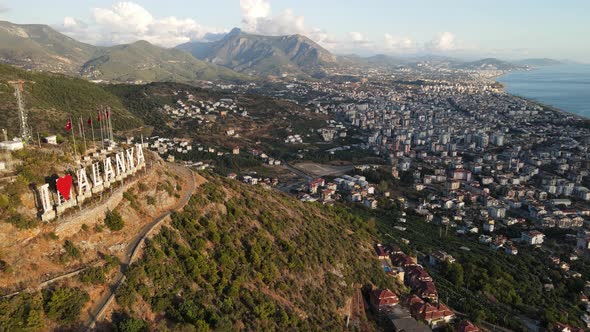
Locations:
(40, 47)
(294, 55)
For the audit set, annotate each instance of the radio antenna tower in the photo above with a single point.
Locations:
(25, 131)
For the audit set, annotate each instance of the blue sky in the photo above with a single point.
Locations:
(465, 28)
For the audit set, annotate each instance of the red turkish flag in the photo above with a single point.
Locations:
(98, 117)
(64, 185)
(89, 121)
(69, 125)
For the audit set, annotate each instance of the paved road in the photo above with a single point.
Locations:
(134, 246)
(298, 172)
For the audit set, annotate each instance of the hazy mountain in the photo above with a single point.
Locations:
(39, 47)
(490, 64)
(538, 62)
(144, 61)
(264, 55)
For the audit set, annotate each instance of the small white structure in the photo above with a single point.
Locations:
(14, 145)
(51, 139)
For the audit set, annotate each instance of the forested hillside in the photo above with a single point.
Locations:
(242, 257)
(52, 98)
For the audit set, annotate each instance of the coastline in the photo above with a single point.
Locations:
(538, 102)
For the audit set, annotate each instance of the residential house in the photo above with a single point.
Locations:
(382, 299)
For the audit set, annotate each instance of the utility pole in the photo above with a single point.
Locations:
(25, 131)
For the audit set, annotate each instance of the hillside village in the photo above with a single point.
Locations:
(266, 181)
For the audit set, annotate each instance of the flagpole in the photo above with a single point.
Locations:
(92, 129)
(81, 122)
(105, 124)
(74, 140)
(101, 132)
(110, 123)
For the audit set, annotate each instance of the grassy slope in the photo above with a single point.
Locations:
(53, 98)
(46, 48)
(144, 61)
(243, 257)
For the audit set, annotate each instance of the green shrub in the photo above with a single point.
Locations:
(23, 312)
(22, 222)
(114, 221)
(64, 305)
(93, 275)
(51, 236)
(131, 325)
(71, 249)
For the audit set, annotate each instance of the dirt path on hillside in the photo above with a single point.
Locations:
(134, 248)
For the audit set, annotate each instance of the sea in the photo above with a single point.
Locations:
(565, 86)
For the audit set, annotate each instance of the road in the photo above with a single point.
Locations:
(298, 172)
(134, 246)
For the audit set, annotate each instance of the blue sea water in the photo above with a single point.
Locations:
(566, 86)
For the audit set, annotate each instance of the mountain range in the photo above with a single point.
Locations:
(238, 56)
(40, 47)
(294, 55)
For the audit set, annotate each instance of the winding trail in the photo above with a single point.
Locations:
(133, 249)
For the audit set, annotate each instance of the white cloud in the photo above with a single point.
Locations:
(444, 41)
(399, 45)
(252, 11)
(257, 18)
(356, 36)
(127, 22)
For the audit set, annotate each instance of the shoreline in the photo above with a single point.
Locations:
(538, 102)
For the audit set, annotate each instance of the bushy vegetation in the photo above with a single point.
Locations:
(93, 275)
(64, 305)
(54, 98)
(29, 311)
(114, 221)
(240, 257)
(71, 249)
(23, 312)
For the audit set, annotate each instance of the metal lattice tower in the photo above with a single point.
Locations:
(25, 131)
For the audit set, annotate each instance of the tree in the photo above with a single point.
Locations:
(64, 304)
(131, 324)
(114, 221)
(454, 273)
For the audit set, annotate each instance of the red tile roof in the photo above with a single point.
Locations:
(466, 326)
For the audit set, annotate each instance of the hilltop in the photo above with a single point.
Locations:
(490, 64)
(41, 48)
(539, 62)
(242, 257)
(236, 257)
(53, 98)
(142, 61)
(293, 55)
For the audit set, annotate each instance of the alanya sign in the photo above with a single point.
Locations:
(100, 175)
